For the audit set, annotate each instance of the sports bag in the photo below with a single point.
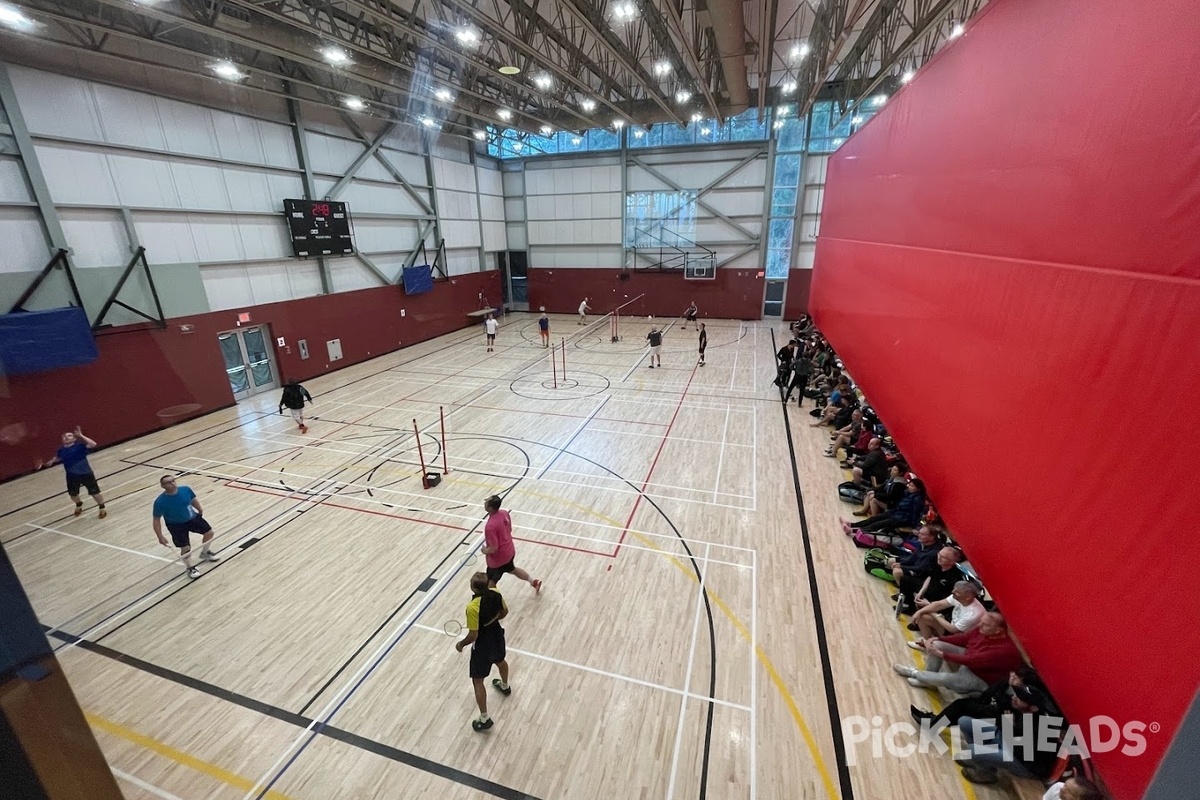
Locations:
(850, 492)
(867, 539)
(875, 563)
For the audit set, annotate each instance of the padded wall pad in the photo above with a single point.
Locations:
(40, 341)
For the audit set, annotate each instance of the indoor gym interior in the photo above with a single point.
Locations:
(703, 629)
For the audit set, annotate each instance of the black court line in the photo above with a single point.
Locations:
(440, 770)
(835, 717)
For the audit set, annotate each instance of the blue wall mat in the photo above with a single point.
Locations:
(39, 341)
(418, 280)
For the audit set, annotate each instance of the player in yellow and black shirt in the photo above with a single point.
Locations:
(484, 633)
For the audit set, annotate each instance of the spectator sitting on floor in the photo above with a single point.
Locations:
(1026, 756)
(1074, 788)
(989, 705)
(966, 613)
(845, 435)
(918, 562)
(919, 591)
(906, 514)
(872, 468)
(839, 402)
(880, 500)
(985, 655)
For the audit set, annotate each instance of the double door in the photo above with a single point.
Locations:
(249, 364)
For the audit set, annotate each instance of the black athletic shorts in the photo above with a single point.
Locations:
(691, 317)
(180, 530)
(491, 337)
(494, 573)
(74, 482)
(486, 653)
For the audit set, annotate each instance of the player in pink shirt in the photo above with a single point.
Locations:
(498, 546)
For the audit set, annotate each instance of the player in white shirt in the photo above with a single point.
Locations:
(583, 309)
(490, 325)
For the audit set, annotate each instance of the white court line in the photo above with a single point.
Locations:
(736, 352)
(614, 675)
(107, 503)
(687, 686)
(659, 436)
(754, 463)
(578, 429)
(754, 677)
(141, 784)
(721, 458)
(93, 541)
(311, 496)
(343, 693)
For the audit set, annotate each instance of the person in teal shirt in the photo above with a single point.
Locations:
(178, 506)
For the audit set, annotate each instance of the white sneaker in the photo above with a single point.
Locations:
(192, 572)
(208, 555)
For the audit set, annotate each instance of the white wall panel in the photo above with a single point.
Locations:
(166, 237)
(263, 237)
(104, 232)
(238, 138)
(460, 233)
(492, 208)
(377, 235)
(815, 168)
(25, 247)
(250, 190)
(187, 128)
(462, 261)
(270, 282)
(56, 104)
(305, 278)
(201, 187)
(735, 204)
(216, 237)
(13, 188)
(227, 286)
(129, 118)
(717, 230)
(514, 183)
(349, 274)
(331, 154)
(143, 181)
(77, 176)
(516, 237)
(278, 147)
(410, 166)
(489, 180)
(494, 237)
(514, 209)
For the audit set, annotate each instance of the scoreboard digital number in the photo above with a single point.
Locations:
(319, 228)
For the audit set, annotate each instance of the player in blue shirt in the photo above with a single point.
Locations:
(181, 510)
(73, 456)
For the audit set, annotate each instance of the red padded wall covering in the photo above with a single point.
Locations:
(142, 370)
(733, 294)
(1009, 264)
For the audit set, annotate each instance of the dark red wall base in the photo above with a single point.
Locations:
(795, 302)
(143, 370)
(734, 294)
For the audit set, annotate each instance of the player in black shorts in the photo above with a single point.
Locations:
(703, 343)
(73, 456)
(486, 638)
(690, 314)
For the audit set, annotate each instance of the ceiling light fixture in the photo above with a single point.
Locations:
(587, 104)
(682, 96)
(429, 122)
(228, 70)
(467, 36)
(624, 11)
(662, 68)
(879, 99)
(353, 103)
(547, 130)
(697, 116)
(788, 87)
(705, 131)
(907, 76)
(957, 30)
(838, 142)
(799, 51)
(618, 123)
(856, 120)
(777, 124)
(445, 95)
(510, 70)
(12, 17)
(639, 133)
(543, 81)
(504, 114)
(335, 56)
(480, 135)
(576, 140)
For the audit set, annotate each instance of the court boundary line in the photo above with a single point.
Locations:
(687, 685)
(558, 451)
(101, 544)
(146, 786)
(617, 676)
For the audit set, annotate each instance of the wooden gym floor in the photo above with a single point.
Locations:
(673, 652)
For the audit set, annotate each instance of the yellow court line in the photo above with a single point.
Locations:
(178, 756)
(776, 679)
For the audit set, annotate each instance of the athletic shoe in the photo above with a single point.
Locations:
(917, 684)
(980, 776)
(918, 645)
(905, 670)
(504, 690)
(920, 714)
(78, 510)
(103, 513)
(192, 572)
(304, 429)
(537, 587)
(481, 726)
(209, 556)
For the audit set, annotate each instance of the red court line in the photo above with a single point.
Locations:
(318, 500)
(568, 547)
(654, 463)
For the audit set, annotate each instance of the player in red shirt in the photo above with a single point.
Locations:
(498, 546)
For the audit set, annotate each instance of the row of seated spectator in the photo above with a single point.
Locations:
(964, 640)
